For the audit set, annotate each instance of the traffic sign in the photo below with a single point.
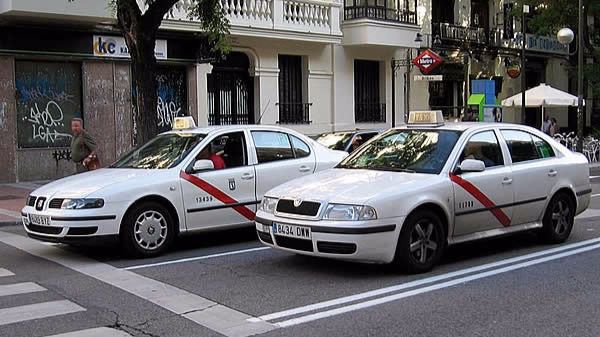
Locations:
(427, 61)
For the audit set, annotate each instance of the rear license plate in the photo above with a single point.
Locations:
(40, 220)
(291, 231)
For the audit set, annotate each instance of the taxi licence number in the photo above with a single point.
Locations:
(291, 231)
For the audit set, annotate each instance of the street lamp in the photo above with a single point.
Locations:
(566, 36)
(523, 61)
(397, 64)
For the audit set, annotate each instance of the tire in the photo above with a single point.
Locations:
(147, 230)
(425, 254)
(558, 219)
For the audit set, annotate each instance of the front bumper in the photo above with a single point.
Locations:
(72, 226)
(363, 241)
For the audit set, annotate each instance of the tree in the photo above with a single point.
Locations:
(140, 29)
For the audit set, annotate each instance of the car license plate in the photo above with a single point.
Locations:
(40, 220)
(291, 231)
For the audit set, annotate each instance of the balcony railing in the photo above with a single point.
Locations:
(459, 34)
(307, 16)
(294, 113)
(369, 112)
(403, 11)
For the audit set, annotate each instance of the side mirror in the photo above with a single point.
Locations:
(471, 165)
(203, 165)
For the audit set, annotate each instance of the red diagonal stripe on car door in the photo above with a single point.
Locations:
(482, 198)
(218, 194)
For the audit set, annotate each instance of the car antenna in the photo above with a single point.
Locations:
(263, 112)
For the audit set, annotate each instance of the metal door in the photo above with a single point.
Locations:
(231, 92)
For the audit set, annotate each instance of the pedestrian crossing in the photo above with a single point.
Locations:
(49, 309)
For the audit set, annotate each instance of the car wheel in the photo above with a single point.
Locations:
(558, 219)
(421, 244)
(148, 230)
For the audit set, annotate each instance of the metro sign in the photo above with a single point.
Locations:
(427, 61)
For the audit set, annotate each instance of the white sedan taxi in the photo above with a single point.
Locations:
(189, 179)
(411, 191)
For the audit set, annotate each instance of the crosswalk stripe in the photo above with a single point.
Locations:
(20, 288)
(5, 272)
(36, 311)
(95, 332)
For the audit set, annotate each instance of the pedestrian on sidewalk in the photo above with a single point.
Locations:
(83, 147)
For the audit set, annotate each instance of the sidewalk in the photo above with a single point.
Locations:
(12, 199)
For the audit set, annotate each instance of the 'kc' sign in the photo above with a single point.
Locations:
(427, 61)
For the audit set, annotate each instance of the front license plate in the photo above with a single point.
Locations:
(40, 220)
(291, 231)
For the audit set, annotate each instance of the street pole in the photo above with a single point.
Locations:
(407, 85)
(580, 111)
(523, 48)
(394, 93)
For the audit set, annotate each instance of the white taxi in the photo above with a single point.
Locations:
(189, 179)
(408, 193)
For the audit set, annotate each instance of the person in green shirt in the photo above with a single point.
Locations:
(83, 146)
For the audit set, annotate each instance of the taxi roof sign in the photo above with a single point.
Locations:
(181, 123)
(434, 117)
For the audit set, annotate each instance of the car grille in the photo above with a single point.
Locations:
(291, 243)
(44, 229)
(265, 237)
(336, 247)
(306, 208)
(82, 230)
(31, 201)
(56, 203)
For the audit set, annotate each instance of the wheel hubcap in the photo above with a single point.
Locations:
(423, 243)
(150, 230)
(561, 217)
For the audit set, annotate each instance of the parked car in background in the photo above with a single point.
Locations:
(347, 141)
(185, 180)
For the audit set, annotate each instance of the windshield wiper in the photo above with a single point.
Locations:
(393, 169)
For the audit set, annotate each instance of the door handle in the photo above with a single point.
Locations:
(304, 168)
(507, 181)
(247, 176)
(552, 173)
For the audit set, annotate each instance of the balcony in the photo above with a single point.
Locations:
(451, 34)
(294, 113)
(305, 20)
(390, 23)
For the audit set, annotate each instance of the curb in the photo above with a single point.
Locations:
(10, 223)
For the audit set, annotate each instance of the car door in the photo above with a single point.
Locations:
(221, 197)
(281, 157)
(534, 173)
(483, 200)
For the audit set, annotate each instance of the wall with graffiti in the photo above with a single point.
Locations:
(48, 96)
(172, 96)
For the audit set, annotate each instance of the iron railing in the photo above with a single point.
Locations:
(403, 11)
(294, 113)
(369, 112)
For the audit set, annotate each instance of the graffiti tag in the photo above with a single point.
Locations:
(166, 112)
(44, 123)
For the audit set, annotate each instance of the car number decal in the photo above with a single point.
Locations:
(219, 195)
(482, 198)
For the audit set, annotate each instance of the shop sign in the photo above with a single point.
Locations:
(430, 78)
(427, 61)
(513, 70)
(115, 46)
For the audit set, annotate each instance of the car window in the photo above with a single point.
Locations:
(301, 149)
(335, 141)
(226, 151)
(521, 146)
(484, 146)
(544, 149)
(368, 135)
(161, 152)
(272, 146)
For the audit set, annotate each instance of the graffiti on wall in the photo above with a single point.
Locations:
(48, 96)
(172, 96)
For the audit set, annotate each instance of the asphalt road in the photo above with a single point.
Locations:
(226, 283)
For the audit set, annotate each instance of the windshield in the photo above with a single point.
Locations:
(421, 151)
(335, 141)
(163, 151)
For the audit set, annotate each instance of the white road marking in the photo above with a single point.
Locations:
(20, 288)
(200, 310)
(190, 259)
(12, 214)
(589, 213)
(5, 272)
(595, 195)
(594, 177)
(95, 332)
(382, 300)
(38, 310)
(416, 283)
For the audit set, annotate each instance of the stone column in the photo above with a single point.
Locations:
(202, 71)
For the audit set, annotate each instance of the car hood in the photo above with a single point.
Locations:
(84, 184)
(350, 186)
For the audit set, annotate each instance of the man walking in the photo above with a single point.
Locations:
(547, 124)
(83, 146)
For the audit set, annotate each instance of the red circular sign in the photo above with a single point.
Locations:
(427, 61)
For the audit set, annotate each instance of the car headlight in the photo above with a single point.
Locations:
(268, 204)
(82, 203)
(349, 213)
